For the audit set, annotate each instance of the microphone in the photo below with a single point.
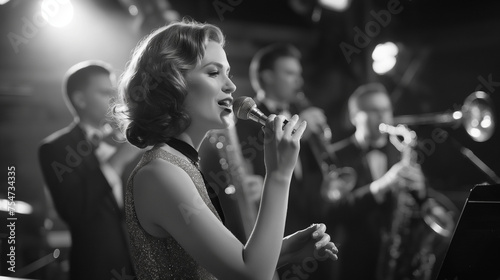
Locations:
(246, 109)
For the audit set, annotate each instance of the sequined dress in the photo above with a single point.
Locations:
(163, 258)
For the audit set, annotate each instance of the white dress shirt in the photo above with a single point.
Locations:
(103, 152)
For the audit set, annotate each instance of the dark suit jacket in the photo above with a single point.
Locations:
(358, 219)
(84, 200)
(304, 191)
(304, 203)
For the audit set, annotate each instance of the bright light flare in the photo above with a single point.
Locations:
(384, 57)
(230, 189)
(486, 122)
(385, 50)
(384, 66)
(336, 5)
(18, 206)
(58, 13)
(457, 115)
(475, 133)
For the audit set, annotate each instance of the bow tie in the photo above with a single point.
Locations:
(373, 148)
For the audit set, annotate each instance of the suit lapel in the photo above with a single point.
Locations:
(90, 162)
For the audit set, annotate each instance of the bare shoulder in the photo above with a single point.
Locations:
(159, 171)
(159, 187)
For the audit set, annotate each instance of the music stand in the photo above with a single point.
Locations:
(474, 251)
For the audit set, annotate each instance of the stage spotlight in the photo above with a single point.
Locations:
(15, 206)
(335, 5)
(57, 13)
(384, 57)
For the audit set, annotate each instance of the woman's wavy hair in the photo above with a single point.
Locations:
(153, 87)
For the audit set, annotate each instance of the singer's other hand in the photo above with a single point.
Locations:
(315, 118)
(282, 145)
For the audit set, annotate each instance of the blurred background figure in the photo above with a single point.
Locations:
(276, 77)
(379, 217)
(83, 165)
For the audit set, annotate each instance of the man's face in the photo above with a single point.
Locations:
(285, 79)
(97, 96)
(373, 109)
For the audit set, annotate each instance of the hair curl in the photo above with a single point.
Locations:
(153, 87)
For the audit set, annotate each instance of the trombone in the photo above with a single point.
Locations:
(476, 115)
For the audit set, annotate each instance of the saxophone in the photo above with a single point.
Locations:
(419, 230)
(232, 162)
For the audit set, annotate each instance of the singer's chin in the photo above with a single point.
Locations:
(228, 119)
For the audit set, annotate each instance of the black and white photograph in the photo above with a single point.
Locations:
(249, 139)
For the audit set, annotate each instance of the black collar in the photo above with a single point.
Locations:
(190, 152)
(185, 149)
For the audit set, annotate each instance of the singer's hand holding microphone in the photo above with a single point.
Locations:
(282, 137)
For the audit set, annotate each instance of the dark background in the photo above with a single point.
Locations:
(446, 49)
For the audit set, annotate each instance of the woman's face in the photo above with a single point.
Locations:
(209, 100)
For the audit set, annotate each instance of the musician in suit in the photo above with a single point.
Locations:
(276, 76)
(82, 165)
(362, 214)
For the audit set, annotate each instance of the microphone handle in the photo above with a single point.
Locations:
(259, 117)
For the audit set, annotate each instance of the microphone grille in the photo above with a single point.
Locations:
(242, 107)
